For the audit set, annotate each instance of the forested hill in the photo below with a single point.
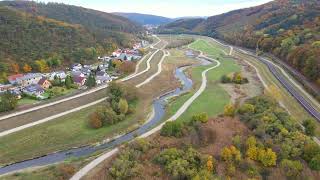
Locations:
(102, 25)
(28, 38)
(145, 19)
(289, 29)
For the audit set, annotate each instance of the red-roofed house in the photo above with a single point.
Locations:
(13, 79)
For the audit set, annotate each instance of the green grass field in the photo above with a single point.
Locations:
(214, 98)
(63, 133)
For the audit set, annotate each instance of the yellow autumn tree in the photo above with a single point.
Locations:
(210, 164)
(267, 157)
(273, 92)
(26, 68)
(231, 154)
(252, 153)
(229, 110)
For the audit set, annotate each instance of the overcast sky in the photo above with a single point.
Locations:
(167, 8)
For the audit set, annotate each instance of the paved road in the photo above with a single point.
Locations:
(82, 172)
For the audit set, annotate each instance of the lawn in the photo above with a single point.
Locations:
(63, 133)
(214, 98)
(26, 100)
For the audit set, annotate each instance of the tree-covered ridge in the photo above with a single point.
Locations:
(289, 29)
(102, 25)
(25, 38)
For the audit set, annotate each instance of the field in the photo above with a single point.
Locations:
(214, 98)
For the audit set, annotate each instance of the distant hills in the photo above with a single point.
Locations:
(289, 29)
(36, 31)
(145, 19)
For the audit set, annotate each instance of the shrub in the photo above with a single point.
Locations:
(246, 108)
(123, 106)
(310, 127)
(315, 163)
(66, 171)
(291, 168)
(172, 128)
(202, 117)
(7, 102)
(226, 79)
(95, 120)
(229, 110)
(140, 145)
(310, 150)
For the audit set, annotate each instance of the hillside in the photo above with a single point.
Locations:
(145, 19)
(32, 32)
(289, 29)
(189, 25)
(102, 25)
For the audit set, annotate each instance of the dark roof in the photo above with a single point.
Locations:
(78, 79)
(42, 80)
(34, 88)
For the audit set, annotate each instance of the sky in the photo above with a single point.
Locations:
(166, 8)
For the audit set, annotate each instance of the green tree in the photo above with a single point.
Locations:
(201, 117)
(310, 127)
(172, 128)
(68, 82)
(123, 106)
(310, 150)
(267, 157)
(7, 102)
(91, 81)
(315, 163)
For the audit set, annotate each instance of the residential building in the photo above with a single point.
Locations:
(79, 80)
(28, 79)
(33, 90)
(13, 79)
(60, 74)
(44, 83)
(76, 67)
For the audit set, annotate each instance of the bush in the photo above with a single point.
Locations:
(123, 106)
(95, 120)
(202, 117)
(66, 171)
(140, 145)
(291, 168)
(246, 108)
(314, 164)
(7, 102)
(229, 110)
(310, 150)
(226, 79)
(172, 128)
(310, 127)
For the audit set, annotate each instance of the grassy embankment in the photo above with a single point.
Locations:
(214, 98)
(295, 109)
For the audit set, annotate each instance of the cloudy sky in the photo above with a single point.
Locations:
(168, 8)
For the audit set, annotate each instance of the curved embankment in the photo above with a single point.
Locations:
(165, 54)
(136, 73)
(181, 110)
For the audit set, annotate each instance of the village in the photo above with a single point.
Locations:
(34, 87)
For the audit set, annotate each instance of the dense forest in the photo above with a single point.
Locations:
(145, 19)
(35, 36)
(289, 29)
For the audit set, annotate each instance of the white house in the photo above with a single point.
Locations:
(29, 79)
(60, 74)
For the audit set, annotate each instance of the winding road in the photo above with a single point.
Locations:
(82, 172)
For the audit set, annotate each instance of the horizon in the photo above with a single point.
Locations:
(165, 8)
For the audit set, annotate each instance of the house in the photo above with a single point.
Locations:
(5, 87)
(77, 73)
(86, 70)
(33, 90)
(79, 80)
(125, 57)
(44, 83)
(13, 79)
(117, 53)
(76, 67)
(28, 79)
(60, 74)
